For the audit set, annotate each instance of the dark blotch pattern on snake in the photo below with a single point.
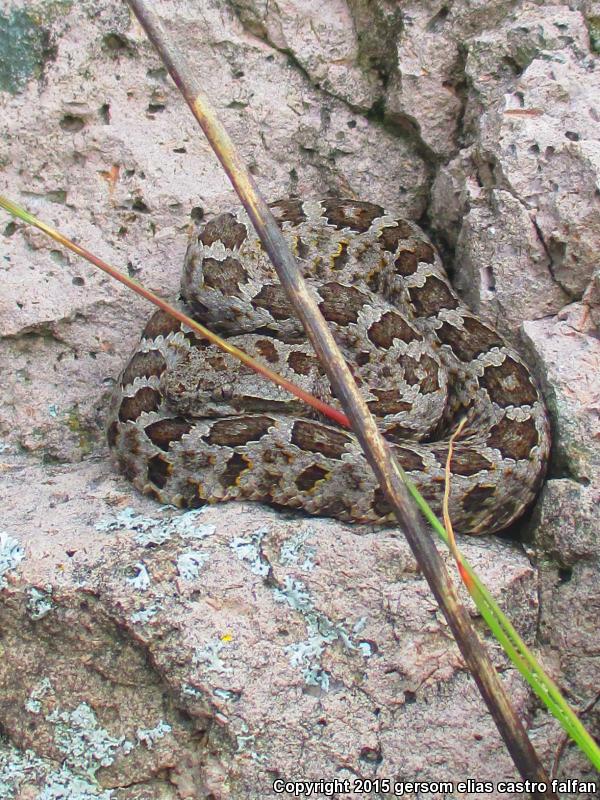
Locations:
(189, 424)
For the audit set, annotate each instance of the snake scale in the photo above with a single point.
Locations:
(189, 424)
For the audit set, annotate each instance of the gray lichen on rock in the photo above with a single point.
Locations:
(258, 642)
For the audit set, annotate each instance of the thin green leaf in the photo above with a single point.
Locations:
(501, 627)
(514, 646)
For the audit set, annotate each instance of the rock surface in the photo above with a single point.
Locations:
(150, 654)
(225, 647)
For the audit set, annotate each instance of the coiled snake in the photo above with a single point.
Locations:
(190, 424)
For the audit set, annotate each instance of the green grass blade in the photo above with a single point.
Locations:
(516, 650)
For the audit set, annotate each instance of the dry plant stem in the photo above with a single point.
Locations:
(466, 578)
(387, 471)
(138, 288)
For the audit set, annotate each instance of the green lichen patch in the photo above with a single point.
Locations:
(116, 44)
(593, 24)
(24, 49)
(84, 435)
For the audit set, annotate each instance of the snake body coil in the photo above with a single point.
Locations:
(190, 424)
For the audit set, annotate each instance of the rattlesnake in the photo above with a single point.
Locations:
(190, 424)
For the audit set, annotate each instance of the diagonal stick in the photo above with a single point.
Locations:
(388, 472)
(323, 408)
(513, 645)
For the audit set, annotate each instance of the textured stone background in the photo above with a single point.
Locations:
(149, 654)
